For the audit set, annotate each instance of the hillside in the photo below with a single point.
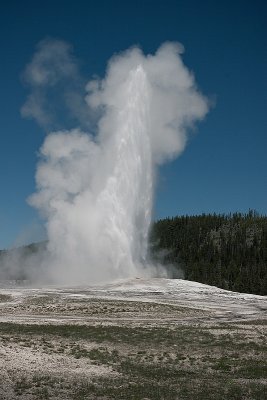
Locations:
(22, 263)
(228, 251)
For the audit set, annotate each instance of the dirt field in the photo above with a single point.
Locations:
(137, 339)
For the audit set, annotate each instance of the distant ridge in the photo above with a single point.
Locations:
(228, 251)
(20, 263)
(225, 250)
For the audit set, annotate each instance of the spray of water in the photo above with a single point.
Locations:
(96, 191)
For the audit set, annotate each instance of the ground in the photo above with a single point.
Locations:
(136, 339)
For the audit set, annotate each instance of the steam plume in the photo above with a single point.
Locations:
(57, 88)
(96, 190)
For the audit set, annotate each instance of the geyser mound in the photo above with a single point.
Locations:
(96, 191)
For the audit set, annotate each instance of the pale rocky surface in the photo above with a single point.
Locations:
(133, 304)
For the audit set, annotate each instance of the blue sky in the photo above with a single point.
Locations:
(224, 167)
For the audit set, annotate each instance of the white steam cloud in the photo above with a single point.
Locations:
(96, 190)
(57, 88)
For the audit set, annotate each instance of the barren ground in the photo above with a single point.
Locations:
(137, 339)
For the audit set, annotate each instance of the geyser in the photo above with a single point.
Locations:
(96, 190)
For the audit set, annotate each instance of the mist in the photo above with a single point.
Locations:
(95, 182)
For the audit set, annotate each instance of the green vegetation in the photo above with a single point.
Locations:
(182, 362)
(5, 297)
(228, 251)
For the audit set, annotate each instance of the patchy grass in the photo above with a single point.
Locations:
(253, 322)
(174, 362)
(5, 297)
(48, 304)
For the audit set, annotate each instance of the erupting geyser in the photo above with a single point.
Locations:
(96, 191)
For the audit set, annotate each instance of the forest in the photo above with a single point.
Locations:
(227, 251)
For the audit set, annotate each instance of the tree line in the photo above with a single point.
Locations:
(227, 251)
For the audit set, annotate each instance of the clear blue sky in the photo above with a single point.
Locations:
(224, 167)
